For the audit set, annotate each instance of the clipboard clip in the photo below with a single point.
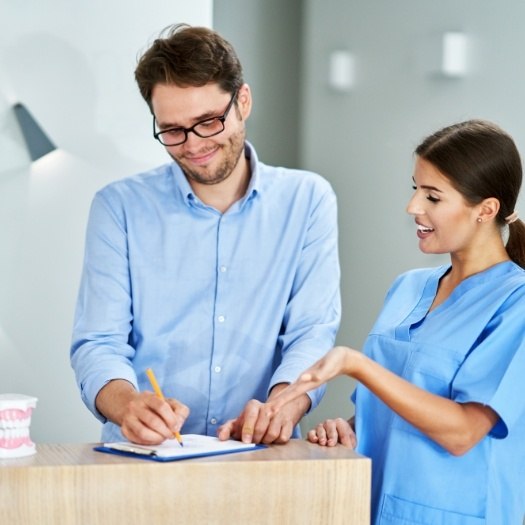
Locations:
(130, 448)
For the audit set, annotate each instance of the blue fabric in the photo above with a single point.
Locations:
(221, 306)
(470, 348)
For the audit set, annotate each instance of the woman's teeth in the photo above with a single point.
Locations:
(424, 229)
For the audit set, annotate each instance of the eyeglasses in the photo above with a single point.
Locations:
(204, 128)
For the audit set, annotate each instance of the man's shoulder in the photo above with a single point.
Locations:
(155, 178)
(283, 178)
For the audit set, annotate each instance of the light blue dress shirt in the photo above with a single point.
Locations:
(221, 306)
(471, 348)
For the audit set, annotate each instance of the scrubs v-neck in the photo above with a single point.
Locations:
(471, 348)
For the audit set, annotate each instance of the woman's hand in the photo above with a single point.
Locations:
(338, 361)
(333, 431)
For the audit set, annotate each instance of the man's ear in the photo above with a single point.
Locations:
(244, 101)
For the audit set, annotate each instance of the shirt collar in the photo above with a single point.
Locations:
(255, 178)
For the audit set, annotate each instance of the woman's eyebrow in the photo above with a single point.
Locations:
(427, 187)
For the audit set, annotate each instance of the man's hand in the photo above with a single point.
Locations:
(258, 424)
(142, 416)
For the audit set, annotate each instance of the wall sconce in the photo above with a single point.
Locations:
(341, 71)
(454, 60)
(37, 142)
(445, 55)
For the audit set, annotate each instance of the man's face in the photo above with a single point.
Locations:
(204, 160)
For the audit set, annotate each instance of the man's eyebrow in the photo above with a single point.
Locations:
(194, 120)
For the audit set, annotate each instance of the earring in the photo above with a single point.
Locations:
(479, 219)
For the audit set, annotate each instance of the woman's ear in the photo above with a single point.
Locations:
(488, 209)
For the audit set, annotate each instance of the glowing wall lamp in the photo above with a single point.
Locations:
(38, 143)
(341, 70)
(454, 61)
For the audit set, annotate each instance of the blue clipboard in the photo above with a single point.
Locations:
(163, 453)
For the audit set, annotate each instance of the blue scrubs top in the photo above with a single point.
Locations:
(471, 348)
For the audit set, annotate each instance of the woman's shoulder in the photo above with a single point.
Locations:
(417, 276)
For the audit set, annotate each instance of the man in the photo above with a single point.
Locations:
(215, 270)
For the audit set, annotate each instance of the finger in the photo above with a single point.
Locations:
(312, 436)
(348, 440)
(142, 422)
(288, 394)
(278, 432)
(266, 430)
(159, 422)
(225, 431)
(347, 436)
(332, 434)
(158, 415)
(136, 432)
(321, 434)
(250, 417)
(180, 411)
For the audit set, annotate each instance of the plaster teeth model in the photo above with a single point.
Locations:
(15, 419)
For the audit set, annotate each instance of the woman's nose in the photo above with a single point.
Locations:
(413, 206)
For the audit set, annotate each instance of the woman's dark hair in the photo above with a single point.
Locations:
(188, 56)
(481, 161)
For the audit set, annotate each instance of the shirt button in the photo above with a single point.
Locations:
(217, 369)
(223, 269)
(221, 318)
(213, 421)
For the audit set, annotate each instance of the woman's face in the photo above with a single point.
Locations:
(446, 223)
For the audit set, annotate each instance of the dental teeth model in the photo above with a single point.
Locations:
(15, 419)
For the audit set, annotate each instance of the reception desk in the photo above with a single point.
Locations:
(296, 483)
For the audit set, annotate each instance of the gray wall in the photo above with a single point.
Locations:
(362, 140)
(268, 42)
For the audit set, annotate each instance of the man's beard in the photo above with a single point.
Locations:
(233, 149)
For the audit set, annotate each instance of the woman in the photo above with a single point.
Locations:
(439, 405)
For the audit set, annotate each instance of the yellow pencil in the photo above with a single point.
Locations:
(158, 391)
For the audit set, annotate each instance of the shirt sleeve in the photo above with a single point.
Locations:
(313, 311)
(492, 373)
(100, 351)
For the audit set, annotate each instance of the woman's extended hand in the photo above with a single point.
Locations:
(337, 361)
(333, 431)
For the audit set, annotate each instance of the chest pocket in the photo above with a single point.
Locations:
(432, 368)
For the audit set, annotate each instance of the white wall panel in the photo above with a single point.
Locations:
(71, 63)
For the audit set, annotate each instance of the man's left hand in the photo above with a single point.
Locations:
(258, 424)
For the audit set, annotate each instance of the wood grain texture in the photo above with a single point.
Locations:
(296, 483)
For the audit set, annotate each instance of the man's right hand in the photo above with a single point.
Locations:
(142, 416)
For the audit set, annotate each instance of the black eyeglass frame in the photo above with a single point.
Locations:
(222, 118)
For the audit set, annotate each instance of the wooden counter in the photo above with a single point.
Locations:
(283, 484)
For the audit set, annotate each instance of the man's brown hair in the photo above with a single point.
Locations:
(188, 56)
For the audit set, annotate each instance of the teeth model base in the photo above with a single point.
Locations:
(15, 420)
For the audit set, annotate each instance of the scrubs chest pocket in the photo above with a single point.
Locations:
(433, 369)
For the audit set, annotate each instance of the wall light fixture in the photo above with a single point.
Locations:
(341, 70)
(38, 143)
